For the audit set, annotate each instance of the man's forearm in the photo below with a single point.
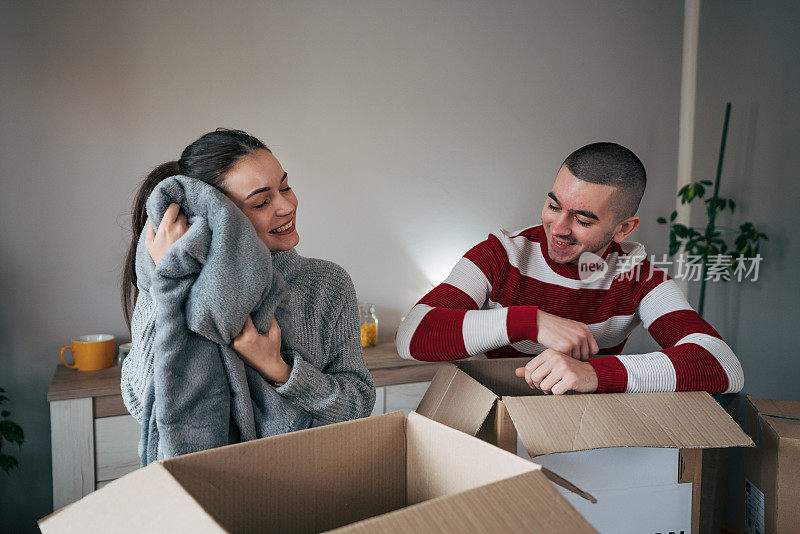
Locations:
(693, 357)
(441, 334)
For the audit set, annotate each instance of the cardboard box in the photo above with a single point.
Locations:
(485, 399)
(772, 468)
(381, 474)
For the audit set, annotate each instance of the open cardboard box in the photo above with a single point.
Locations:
(772, 469)
(381, 474)
(632, 441)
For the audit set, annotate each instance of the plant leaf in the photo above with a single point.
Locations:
(673, 216)
(662, 220)
(7, 463)
(695, 233)
(12, 432)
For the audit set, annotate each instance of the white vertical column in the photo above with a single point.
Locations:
(691, 30)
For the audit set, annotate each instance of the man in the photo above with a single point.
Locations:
(535, 292)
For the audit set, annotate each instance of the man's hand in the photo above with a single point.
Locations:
(262, 352)
(566, 336)
(556, 373)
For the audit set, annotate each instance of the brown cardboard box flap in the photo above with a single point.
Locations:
(457, 400)
(776, 408)
(782, 416)
(526, 503)
(784, 428)
(566, 484)
(498, 376)
(334, 474)
(436, 470)
(592, 421)
(156, 502)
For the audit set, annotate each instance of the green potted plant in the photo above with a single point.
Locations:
(710, 241)
(10, 432)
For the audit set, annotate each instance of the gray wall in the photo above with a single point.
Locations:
(748, 55)
(410, 129)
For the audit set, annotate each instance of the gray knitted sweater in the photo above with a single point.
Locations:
(332, 385)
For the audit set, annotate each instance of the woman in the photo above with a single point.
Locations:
(335, 385)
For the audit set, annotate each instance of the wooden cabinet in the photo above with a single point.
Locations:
(95, 440)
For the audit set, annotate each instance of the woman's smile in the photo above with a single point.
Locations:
(286, 228)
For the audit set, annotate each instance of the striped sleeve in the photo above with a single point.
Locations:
(693, 357)
(449, 324)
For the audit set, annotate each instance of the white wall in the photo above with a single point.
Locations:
(410, 130)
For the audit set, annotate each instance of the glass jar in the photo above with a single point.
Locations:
(124, 349)
(369, 324)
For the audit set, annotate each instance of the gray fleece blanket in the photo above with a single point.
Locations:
(201, 394)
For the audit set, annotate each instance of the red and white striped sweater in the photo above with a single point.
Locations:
(488, 305)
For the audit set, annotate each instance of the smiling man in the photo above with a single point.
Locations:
(526, 293)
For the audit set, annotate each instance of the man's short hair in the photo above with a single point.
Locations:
(611, 164)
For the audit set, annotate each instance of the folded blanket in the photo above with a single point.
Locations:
(201, 395)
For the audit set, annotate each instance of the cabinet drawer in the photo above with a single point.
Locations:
(116, 446)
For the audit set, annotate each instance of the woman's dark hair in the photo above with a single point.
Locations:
(207, 159)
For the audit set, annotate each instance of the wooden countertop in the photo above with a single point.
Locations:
(382, 360)
(389, 369)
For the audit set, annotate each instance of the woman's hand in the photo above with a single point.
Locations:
(173, 225)
(262, 352)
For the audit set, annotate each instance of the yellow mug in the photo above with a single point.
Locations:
(91, 353)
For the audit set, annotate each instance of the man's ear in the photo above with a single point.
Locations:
(626, 228)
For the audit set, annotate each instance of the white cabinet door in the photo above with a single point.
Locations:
(116, 446)
(405, 397)
(380, 401)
